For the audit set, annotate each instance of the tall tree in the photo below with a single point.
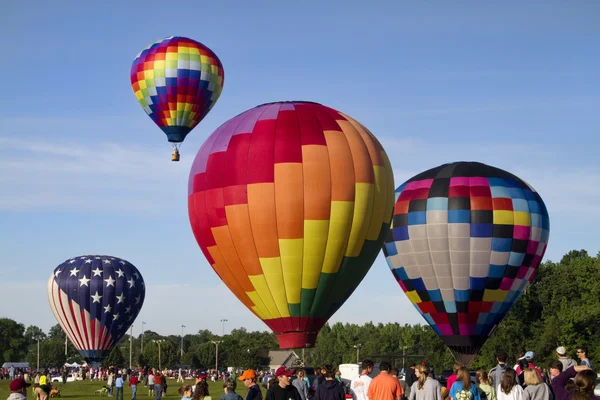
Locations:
(12, 341)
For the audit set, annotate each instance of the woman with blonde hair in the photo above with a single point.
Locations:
(462, 389)
(535, 388)
(486, 391)
(509, 388)
(425, 388)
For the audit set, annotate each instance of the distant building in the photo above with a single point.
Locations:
(273, 359)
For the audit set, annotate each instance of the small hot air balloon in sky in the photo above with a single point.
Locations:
(466, 239)
(290, 203)
(95, 299)
(177, 81)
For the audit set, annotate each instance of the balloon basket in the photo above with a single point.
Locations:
(296, 340)
(175, 155)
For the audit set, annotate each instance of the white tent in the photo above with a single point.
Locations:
(74, 365)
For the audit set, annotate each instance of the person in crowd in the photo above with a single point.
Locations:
(405, 389)
(201, 391)
(535, 388)
(425, 387)
(18, 389)
(359, 386)
(520, 371)
(159, 380)
(283, 389)
(300, 384)
(452, 377)
(249, 379)
(529, 356)
(484, 385)
(509, 388)
(185, 391)
(110, 382)
(330, 388)
(560, 378)
(133, 382)
(561, 353)
(119, 387)
(411, 376)
(384, 386)
(229, 386)
(39, 392)
(462, 389)
(583, 357)
(150, 383)
(497, 373)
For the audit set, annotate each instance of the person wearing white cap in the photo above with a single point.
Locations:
(561, 352)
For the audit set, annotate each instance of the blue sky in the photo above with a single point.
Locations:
(85, 171)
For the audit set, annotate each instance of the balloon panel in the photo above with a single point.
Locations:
(290, 203)
(95, 299)
(177, 81)
(466, 239)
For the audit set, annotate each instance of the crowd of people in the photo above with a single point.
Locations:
(564, 379)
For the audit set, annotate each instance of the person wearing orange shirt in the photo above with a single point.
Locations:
(384, 386)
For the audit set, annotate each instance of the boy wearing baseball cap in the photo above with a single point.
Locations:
(18, 389)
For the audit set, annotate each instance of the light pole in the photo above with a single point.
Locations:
(143, 323)
(38, 352)
(66, 339)
(130, 345)
(223, 321)
(159, 342)
(403, 355)
(216, 342)
(358, 347)
(182, 326)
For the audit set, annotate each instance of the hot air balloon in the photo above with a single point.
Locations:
(177, 81)
(466, 239)
(289, 202)
(95, 299)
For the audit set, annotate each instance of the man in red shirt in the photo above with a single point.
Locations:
(384, 386)
(133, 381)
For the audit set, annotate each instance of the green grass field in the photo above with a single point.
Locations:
(85, 390)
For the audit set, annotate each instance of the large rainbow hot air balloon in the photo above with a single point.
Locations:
(290, 203)
(466, 239)
(177, 81)
(95, 299)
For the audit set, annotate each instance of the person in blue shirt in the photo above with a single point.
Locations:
(463, 389)
(119, 386)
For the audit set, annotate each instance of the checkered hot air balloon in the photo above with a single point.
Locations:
(290, 203)
(95, 299)
(177, 82)
(466, 239)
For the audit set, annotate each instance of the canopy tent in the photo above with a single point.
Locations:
(15, 365)
(75, 365)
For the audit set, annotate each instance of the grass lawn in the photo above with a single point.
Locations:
(85, 390)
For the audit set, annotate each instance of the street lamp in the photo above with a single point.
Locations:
(38, 352)
(159, 342)
(182, 326)
(130, 345)
(143, 323)
(223, 321)
(216, 343)
(358, 347)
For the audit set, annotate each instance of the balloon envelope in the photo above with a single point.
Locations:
(466, 239)
(95, 299)
(290, 203)
(177, 82)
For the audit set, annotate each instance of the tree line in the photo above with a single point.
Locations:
(560, 308)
